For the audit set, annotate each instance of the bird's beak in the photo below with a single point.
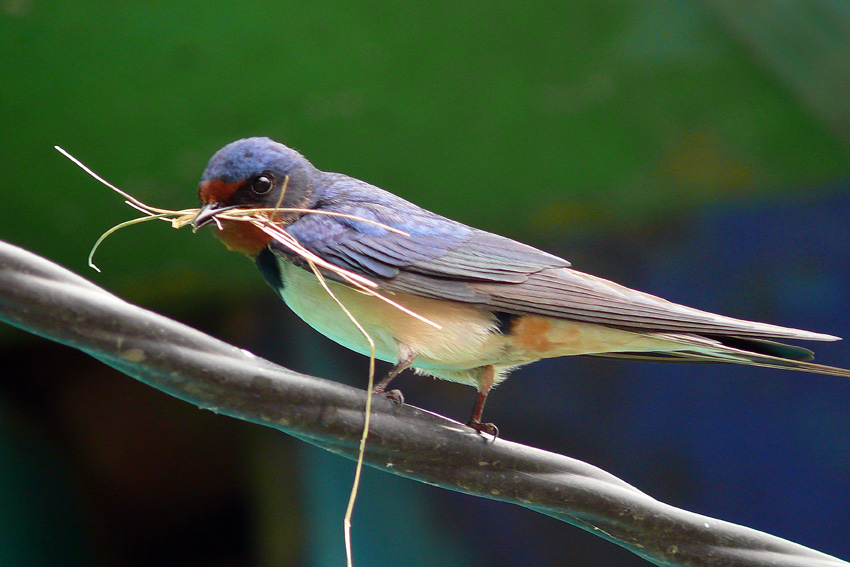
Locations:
(207, 214)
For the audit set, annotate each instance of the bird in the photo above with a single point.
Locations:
(492, 304)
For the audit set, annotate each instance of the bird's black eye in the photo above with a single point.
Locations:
(262, 185)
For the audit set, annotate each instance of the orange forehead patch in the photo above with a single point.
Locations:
(216, 191)
(241, 236)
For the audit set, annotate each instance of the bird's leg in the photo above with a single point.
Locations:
(485, 383)
(406, 357)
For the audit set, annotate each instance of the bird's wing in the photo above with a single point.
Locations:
(569, 294)
(439, 258)
(430, 255)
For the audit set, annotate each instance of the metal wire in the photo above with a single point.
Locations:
(48, 300)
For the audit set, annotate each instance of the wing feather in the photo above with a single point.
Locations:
(440, 258)
(569, 294)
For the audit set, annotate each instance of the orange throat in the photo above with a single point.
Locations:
(241, 236)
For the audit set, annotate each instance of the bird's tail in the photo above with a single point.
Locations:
(736, 350)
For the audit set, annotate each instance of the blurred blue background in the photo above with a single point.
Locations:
(696, 150)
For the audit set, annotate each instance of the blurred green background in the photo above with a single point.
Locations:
(523, 118)
(597, 129)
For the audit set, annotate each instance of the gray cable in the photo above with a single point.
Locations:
(48, 300)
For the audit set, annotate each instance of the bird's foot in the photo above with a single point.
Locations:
(489, 428)
(393, 395)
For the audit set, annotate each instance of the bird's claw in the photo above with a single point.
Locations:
(393, 395)
(489, 428)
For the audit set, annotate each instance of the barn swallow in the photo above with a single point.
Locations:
(499, 304)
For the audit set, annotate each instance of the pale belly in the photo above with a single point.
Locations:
(467, 339)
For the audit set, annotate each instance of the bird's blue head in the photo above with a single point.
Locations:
(238, 165)
(254, 173)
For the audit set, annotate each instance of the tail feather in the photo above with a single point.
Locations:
(767, 347)
(735, 350)
(766, 361)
